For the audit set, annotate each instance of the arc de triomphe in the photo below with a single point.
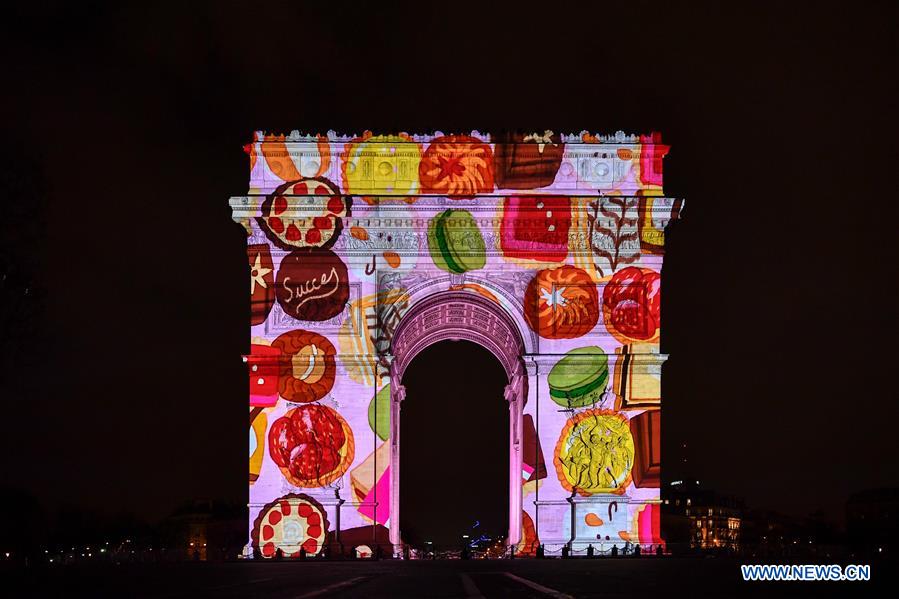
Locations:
(544, 248)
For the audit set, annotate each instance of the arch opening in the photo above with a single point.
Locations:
(454, 315)
(455, 446)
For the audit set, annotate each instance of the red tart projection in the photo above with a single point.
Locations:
(535, 228)
(312, 285)
(527, 161)
(304, 213)
(631, 303)
(456, 165)
(293, 523)
(262, 282)
(258, 423)
(312, 445)
(561, 303)
(308, 366)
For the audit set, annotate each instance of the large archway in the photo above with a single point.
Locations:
(454, 451)
(459, 315)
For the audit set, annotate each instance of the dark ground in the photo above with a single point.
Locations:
(612, 578)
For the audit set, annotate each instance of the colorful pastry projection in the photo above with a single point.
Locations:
(579, 379)
(293, 523)
(455, 242)
(456, 165)
(312, 445)
(308, 366)
(305, 213)
(535, 228)
(312, 285)
(561, 303)
(595, 453)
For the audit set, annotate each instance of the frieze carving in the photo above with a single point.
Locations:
(302, 140)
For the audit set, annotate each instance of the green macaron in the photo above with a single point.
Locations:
(579, 378)
(455, 242)
(381, 424)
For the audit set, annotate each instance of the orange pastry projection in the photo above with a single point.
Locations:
(561, 303)
(290, 167)
(456, 165)
(308, 366)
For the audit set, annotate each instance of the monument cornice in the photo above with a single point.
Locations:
(296, 138)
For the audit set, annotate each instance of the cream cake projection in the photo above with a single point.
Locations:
(545, 248)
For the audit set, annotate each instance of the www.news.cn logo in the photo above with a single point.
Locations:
(806, 572)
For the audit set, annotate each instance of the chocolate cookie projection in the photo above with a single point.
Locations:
(312, 285)
(308, 366)
(262, 282)
(645, 428)
(527, 161)
(304, 213)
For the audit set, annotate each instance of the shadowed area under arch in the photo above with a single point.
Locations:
(455, 445)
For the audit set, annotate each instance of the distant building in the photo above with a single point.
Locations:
(701, 518)
(204, 530)
(872, 519)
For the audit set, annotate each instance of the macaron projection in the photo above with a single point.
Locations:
(580, 378)
(379, 413)
(455, 242)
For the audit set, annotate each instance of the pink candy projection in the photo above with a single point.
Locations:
(544, 247)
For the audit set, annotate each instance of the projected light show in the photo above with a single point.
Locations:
(544, 248)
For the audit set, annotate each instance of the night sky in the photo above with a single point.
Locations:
(121, 380)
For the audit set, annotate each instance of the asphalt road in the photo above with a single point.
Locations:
(607, 578)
